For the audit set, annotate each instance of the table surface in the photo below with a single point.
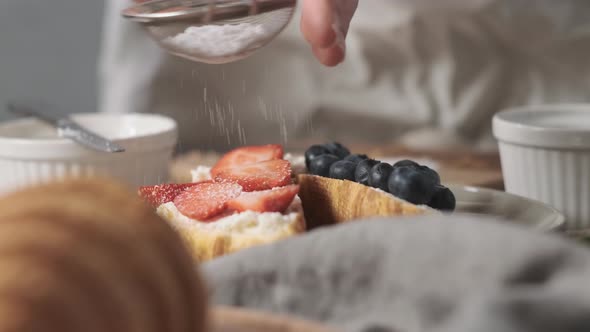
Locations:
(455, 167)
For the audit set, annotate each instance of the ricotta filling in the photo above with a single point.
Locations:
(248, 222)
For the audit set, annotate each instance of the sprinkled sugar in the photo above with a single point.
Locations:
(220, 40)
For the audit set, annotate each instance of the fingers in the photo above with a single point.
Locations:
(316, 23)
(319, 20)
(331, 56)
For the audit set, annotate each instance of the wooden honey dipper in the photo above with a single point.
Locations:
(87, 255)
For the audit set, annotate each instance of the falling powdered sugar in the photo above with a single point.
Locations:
(220, 40)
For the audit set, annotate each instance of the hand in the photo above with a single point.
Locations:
(324, 24)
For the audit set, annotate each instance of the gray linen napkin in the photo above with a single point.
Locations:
(456, 273)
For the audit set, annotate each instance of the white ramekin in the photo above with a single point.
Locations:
(545, 153)
(32, 153)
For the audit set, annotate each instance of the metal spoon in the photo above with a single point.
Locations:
(68, 128)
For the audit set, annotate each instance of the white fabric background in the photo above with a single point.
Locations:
(412, 63)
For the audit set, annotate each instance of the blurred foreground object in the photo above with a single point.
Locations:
(426, 274)
(87, 255)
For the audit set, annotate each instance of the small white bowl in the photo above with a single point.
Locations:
(31, 152)
(545, 152)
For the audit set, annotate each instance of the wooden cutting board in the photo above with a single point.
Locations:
(455, 167)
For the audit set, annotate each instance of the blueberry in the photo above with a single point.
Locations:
(443, 199)
(337, 149)
(313, 152)
(406, 163)
(432, 174)
(379, 176)
(343, 170)
(361, 174)
(356, 158)
(320, 165)
(412, 185)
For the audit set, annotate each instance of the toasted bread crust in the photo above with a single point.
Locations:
(207, 245)
(329, 201)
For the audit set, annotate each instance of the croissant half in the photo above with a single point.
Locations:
(88, 255)
(329, 201)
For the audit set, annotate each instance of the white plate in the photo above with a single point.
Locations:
(473, 200)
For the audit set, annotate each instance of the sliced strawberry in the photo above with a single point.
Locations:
(162, 193)
(206, 200)
(260, 176)
(274, 200)
(248, 155)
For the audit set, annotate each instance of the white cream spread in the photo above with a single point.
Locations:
(297, 163)
(201, 173)
(248, 222)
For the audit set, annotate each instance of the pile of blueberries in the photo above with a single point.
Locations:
(406, 179)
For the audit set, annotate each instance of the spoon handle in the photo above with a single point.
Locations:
(68, 128)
